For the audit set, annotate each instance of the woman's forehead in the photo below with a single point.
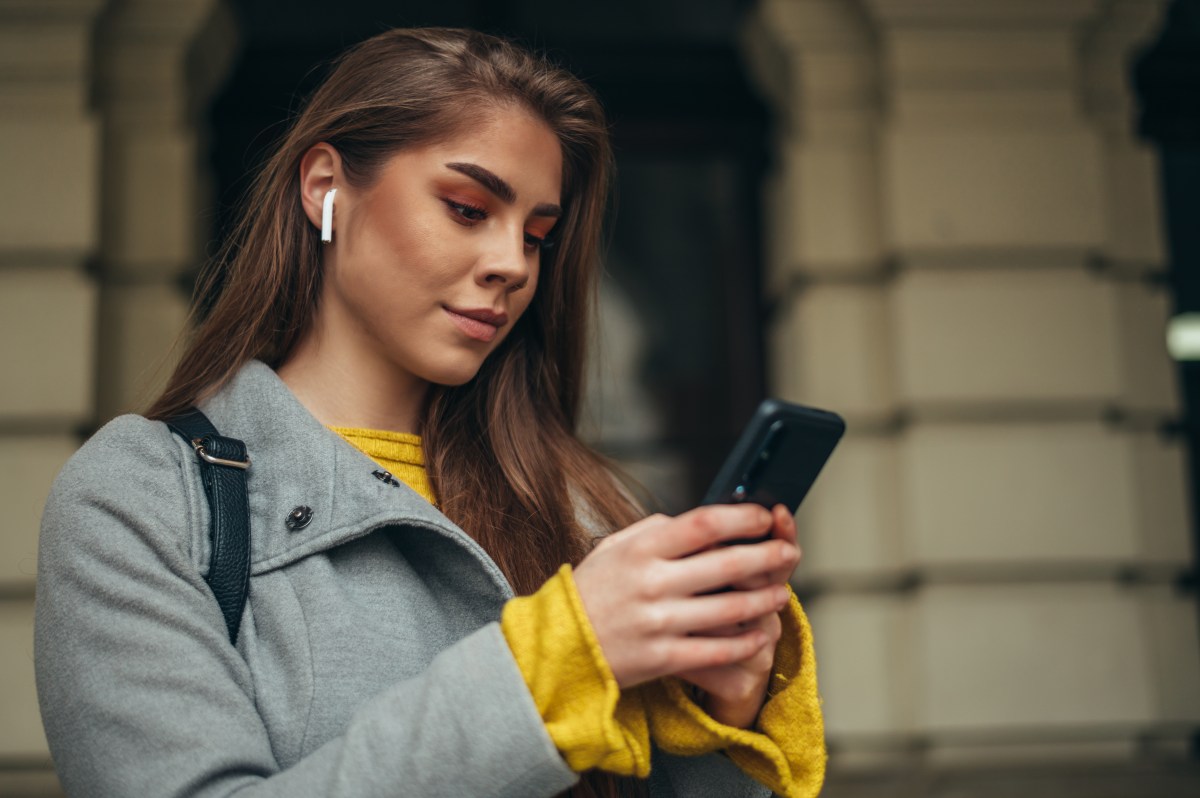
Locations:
(509, 143)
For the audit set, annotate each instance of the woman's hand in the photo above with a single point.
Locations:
(733, 694)
(648, 591)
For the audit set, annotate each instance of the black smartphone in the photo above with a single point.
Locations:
(778, 456)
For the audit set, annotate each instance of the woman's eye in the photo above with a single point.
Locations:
(468, 213)
(534, 243)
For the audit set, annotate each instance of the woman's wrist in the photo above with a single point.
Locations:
(740, 713)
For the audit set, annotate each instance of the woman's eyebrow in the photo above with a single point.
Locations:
(500, 187)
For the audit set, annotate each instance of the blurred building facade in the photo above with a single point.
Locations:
(963, 253)
(969, 253)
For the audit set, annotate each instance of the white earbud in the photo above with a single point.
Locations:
(327, 216)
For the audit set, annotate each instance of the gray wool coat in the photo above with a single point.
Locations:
(370, 660)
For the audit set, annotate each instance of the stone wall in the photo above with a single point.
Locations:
(965, 245)
(100, 223)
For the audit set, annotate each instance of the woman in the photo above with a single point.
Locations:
(409, 286)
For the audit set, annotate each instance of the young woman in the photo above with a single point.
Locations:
(428, 612)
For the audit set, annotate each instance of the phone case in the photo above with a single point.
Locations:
(778, 456)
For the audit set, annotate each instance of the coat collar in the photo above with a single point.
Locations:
(298, 462)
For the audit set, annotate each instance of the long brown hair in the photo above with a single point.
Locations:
(501, 450)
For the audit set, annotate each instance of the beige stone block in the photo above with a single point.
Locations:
(810, 55)
(45, 67)
(140, 326)
(830, 78)
(44, 49)
(982, 58)
(863, 669)
(21, 733)
(1168, 628)
(143, 63)
(836, 224)
(1024, 656)
(57, 99)
(1011, 755)
(1148, 377)
(48, 324)
(1004, 336)
(1007, 493)
(150, 213)
(980, 14)
(1107, 48)
(831, 348)
(1133, 206)
(828, 24)
(956, 107)
(1158, 472)
(993, 187)
(850, 524)
(52, 165)
(29, 464)
(31, 783)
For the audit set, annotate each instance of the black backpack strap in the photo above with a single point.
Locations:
(223, 464)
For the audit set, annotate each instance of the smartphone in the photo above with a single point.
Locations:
(778, 456)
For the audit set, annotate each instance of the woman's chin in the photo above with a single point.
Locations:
(454, 377)
(455, 366)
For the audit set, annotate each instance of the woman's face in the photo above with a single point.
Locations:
(431, 266)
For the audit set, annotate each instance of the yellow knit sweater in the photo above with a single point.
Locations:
(593, 723)
(398, 452)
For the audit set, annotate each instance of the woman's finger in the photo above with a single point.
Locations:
(725, 566)
(734, 694)
(768, 625)
(638, 588)
(736, 611)
(696, 653)
(704, 527)
(783, 528)
(783, 524)
(645, 526)
(765, 621)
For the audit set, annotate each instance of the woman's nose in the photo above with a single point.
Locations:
(505, 263)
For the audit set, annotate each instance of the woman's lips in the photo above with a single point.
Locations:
(482, 324)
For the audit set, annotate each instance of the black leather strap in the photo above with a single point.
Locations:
(229, 508)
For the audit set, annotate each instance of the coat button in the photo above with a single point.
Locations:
(299, 517)
(386, 478)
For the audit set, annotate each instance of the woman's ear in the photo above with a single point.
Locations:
(320, 171)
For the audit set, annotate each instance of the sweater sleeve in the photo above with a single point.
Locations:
(592, 723)
(787, 750)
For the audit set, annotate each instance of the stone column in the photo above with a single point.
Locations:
(158, 64)
(963, 248)
(100, 221)
(50, 158)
